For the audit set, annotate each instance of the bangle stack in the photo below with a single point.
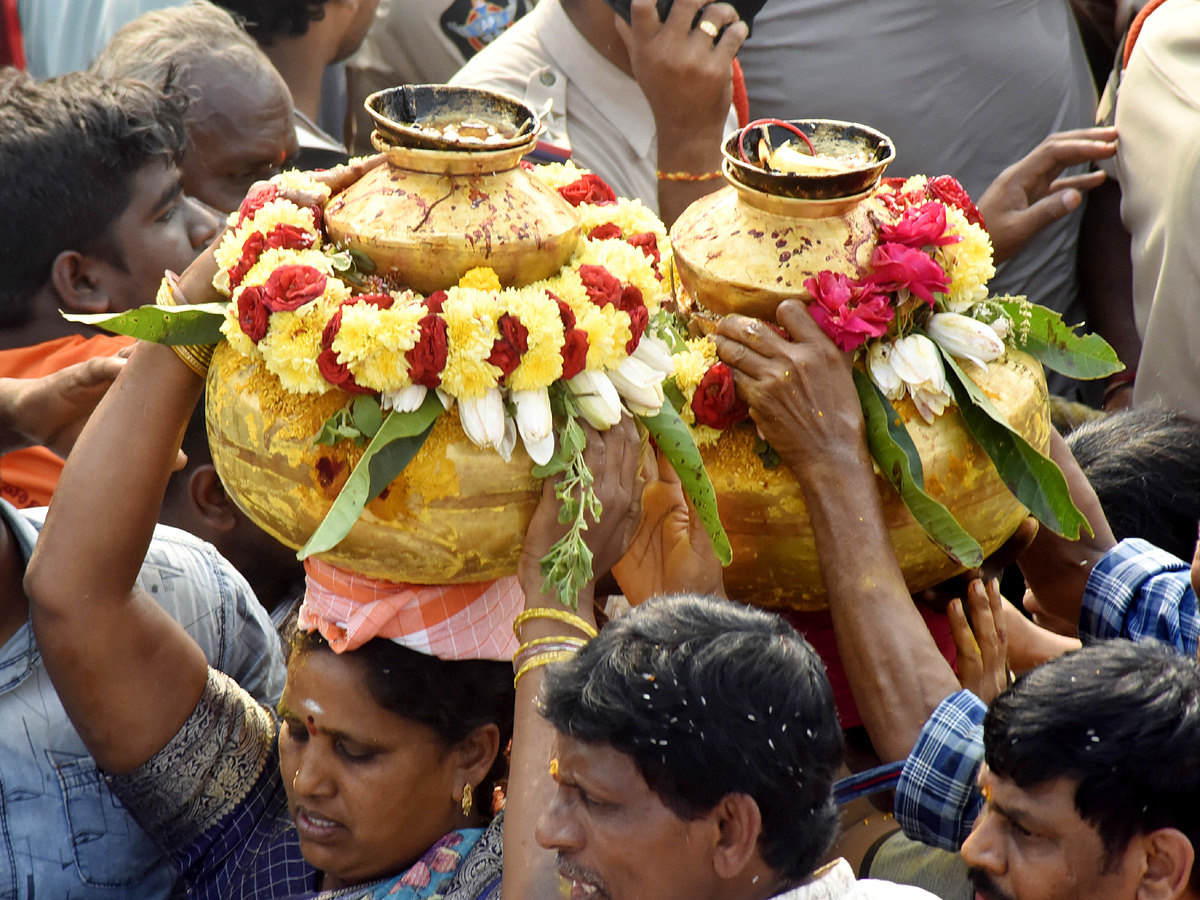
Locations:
(196, 357)
(1120, 381)
(545, 650)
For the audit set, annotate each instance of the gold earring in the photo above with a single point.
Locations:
(467, 799)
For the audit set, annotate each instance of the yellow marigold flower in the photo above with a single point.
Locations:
(631, 216)
(968, 263)
(608, 332)
(373, 341)
(558, 175)
(283, 212)
(471, 331)
(290, 347)
(273, 259)
(480, 278)
(567, 286)
(627, 263)
(915, 183)
(692, 364)
(702, 434)
(541, 365)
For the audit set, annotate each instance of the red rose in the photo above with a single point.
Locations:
(947, 189)
(427, 358)
(648, 244)
(565, 313)
(847, 311)
(603, 288)
(290, 237)
(290, 287)
(510, 346)
(639, 316)
(923, 226)
(588, 189)
(715, 402)
(574, 352)
(338, 374)
(435, 300)
(333, 326)
(896, 267)
(252, 248)
(255, 201)
(253, 315)
(605, 232)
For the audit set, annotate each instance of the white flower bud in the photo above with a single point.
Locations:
(535, 422)
(509, 440)
(916, 360)
(966, 338)
(881, 370)
(655, 353)
(638, 383)
(407, 399)
(597, 399)
(483, 419)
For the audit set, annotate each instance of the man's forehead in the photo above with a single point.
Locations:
(1051, 802)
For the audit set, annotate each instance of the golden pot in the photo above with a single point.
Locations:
(428, 216)
(741, 250)
(774, 555)
(456, 514)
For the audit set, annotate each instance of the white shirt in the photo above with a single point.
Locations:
(836, 881)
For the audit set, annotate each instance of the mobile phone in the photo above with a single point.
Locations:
(746, 9)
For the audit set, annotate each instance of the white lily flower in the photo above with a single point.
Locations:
(597, 399)
(407, 399)
(966, 338)
(535, 423)
(483, 419)
(509, 439)
(916, 360)
(881, 370)
(655, 353)
(638, 383)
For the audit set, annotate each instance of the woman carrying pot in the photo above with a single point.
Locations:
(375, 778)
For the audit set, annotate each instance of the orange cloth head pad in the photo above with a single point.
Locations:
(450, 621)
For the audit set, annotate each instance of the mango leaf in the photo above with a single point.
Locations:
(896, 454)
(1043, 334)
(366, 414)
(392, 448)
(1033, 478)
(178, 325)
(674, 439)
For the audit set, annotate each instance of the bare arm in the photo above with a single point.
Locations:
(529, 869)
(52, 410)
(802, 398)
(687, 78)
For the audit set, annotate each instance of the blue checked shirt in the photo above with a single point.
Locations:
(1137, 592)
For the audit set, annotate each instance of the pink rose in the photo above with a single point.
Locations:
(897, 266)
(919, 227)
(947, 189)
(848, 311)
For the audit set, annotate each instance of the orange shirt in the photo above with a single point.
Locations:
(28, 477)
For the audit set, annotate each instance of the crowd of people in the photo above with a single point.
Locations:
(175, 724)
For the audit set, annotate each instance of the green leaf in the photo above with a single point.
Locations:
(1033, 478)
(674, 439)
(896, 454)
(177, 325)
(392, 448)
(1044, 335)
(367, 415)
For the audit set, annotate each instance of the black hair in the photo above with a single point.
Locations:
(69, 150)
(450, 697)
(1121, 719)
(709, 699)
(266, 20)
(1144, 465)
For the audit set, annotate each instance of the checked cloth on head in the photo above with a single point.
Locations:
(450, 621)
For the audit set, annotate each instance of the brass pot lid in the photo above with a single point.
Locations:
(450, 117)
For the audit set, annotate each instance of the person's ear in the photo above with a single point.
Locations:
(740, 826)
(75, 278)
(1169, 859)
(209, 500)
(475, 755)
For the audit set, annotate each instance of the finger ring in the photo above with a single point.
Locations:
(708, 28)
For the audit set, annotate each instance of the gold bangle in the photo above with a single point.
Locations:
(690, 176)
(560, 615)
(542, 659)
(197, 357)
(547, 644)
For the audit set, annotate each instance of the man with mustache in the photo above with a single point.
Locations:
(1091, 779)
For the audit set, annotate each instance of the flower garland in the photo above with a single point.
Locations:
(925, 288)
(493, 351)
